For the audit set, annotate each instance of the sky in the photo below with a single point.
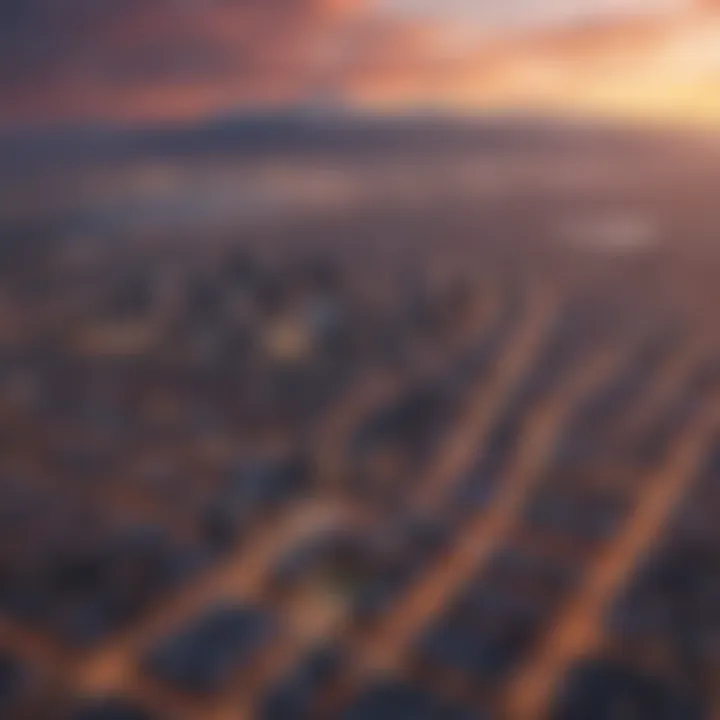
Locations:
(171, 60)
(523, 13)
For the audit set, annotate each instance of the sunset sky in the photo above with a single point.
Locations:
(144, 60)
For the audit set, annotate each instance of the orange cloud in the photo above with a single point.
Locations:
(652, 67)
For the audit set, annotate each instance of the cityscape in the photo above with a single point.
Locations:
(347, 411)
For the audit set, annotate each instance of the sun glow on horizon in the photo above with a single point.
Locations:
(663, 71)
